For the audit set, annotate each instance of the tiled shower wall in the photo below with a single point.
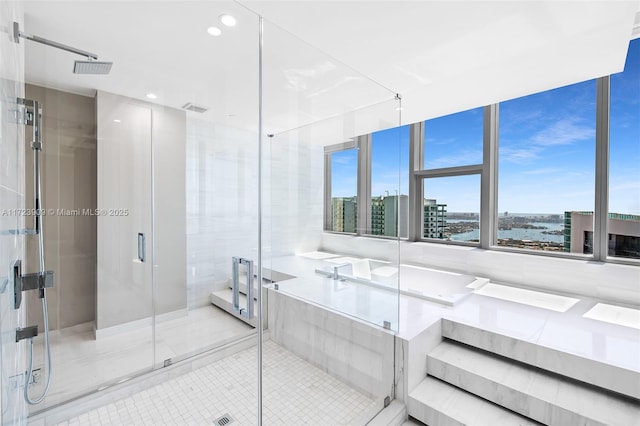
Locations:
(293, 188)
(222, 200)
(11, 197)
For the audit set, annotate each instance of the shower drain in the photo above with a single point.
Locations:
(223, 421)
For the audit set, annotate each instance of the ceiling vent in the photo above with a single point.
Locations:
(195, 108)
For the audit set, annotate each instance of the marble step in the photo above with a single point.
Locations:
(607, 376)
(224, 300)
(434, 402)
(547, 398)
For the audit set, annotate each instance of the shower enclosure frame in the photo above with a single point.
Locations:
(262, 259)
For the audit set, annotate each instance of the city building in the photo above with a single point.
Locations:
(623, 234)
(344, 210)
(435, 219)
(384, 215)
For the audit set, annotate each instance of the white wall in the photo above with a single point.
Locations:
(293, 204)
(222, 201)
(221, 204)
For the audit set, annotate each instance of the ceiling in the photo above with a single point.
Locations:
(324, 59)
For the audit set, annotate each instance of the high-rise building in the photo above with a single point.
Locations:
(623, 231)
(344, 214)
(385, 219)
(435, 219)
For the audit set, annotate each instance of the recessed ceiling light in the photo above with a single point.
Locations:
(151, 96)
(214, 31)
(115, 120)
(228, 20)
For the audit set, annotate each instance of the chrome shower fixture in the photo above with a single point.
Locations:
(90, 66)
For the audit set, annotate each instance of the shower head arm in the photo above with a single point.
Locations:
(17, 34)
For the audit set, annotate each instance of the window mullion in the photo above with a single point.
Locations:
(416, 158)
(489, 178)
(364, 185)
(328, 213)
(600, 234)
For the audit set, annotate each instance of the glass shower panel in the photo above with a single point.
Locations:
(97, 164)
(205, 179)
(333, 297)
(12, 405)
(96, 195)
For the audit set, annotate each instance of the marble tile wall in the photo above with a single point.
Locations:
(357, 353)
(222, 200)
(293, 205)
(13, 407)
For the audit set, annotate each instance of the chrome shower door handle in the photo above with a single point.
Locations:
(142, 247)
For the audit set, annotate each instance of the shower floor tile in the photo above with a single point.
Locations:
(82, 364)
(294, 393)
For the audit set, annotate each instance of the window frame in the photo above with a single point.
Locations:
(489, 175)
(328, 204)
(418, 174)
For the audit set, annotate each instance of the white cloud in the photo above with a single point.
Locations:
(541, 171)
(564, 132)
(519, 155)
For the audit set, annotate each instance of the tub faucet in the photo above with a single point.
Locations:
(336, 275)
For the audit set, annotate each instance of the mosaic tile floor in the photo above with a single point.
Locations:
(295, 393)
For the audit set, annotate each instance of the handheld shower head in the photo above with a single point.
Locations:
(92, 67)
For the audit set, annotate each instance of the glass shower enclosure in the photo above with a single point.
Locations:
(179, 188)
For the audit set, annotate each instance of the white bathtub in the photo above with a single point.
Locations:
(417, 281)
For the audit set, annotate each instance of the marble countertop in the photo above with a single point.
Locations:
(567, 331)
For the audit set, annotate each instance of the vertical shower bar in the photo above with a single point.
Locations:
(36, 146)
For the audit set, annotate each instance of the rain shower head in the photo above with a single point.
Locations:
(91, 67)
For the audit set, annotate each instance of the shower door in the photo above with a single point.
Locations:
(335, 300)
(151, 196)
(97, 195)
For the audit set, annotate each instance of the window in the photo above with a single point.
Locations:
(390, 182)
(451, 208)
(525, 181)
(453, 140)
(344, 200)
(624, 159)
(546, 173)
(449, 204)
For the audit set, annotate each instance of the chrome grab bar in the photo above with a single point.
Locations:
(248, 311)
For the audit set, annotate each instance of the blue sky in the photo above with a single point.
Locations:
(546, 154)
